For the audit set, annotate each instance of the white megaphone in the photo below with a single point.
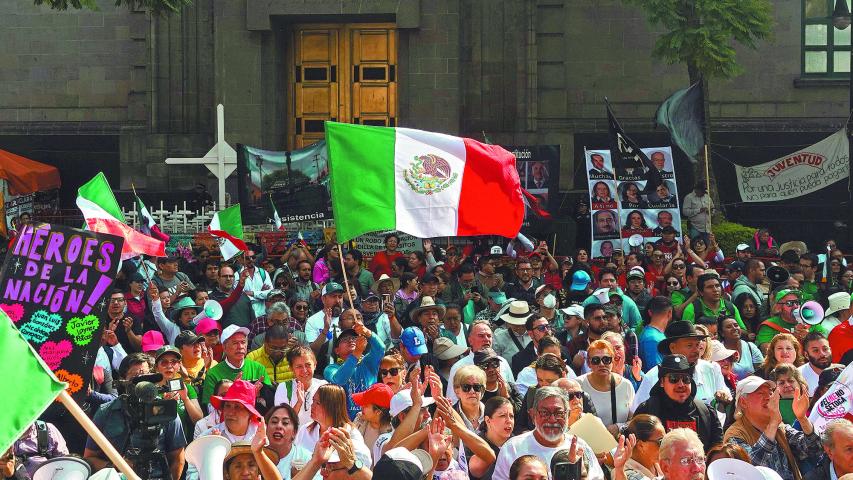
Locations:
(810, 313)
(70, 468)
(207, 454)
(211, 309)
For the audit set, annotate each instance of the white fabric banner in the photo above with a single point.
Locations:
(802, 172)
(836, 403)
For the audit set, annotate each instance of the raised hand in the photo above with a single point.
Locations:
(436, 438)
(624, 450)
(260, 438)
(800, 405)
(342, 443)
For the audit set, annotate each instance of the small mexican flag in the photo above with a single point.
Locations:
(275, 218)
(422, 183)
(147, 224)
(102, 213)
(20, 365)
(227, 226)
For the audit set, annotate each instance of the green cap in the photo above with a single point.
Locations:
(786, 291)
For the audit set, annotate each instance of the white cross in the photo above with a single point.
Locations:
(221, 160)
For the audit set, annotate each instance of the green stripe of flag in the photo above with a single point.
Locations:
(361, 168)
(98, 191)
(19, 366)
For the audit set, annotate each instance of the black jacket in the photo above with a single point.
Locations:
(692, 414)
(526, 356)
(820, 472)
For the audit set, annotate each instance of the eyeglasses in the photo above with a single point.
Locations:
(477, 387)
(324, 468)
(383, 372)
(494, 363)
(659, 441)
(600, 360)
(574, 395)
(675, 378)
(556, 414)
(791, 303)
(687, 461)
(300, 307)
(542, 328)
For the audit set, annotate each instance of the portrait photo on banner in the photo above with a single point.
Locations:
(638, 202)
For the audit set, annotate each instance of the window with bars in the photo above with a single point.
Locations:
(826, 50)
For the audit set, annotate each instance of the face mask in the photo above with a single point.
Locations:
(550, 301)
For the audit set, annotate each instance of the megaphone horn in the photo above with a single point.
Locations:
(810, 313)
(211, 309)
(777, 274)
(207, 454)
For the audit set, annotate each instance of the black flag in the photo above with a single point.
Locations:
(625, 154)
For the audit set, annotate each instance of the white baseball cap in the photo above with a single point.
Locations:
(403, 400)
(749, 385)
(230, 330)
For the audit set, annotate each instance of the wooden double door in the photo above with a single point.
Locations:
(340, 72)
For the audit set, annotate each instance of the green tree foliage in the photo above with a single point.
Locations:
(701, 33)
(154, 6)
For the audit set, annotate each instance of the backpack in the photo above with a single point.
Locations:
(698, 309)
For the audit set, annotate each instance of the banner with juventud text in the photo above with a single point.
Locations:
(54, 285)
(802, 172)
(836, 403)
(626, 204)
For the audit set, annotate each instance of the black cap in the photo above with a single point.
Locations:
(168, 259)
(674, 364)
(187, 337)
(676, 330)
(346, 333)
(429, 278)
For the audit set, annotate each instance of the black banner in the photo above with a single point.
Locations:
(296, 181)
(54, 285)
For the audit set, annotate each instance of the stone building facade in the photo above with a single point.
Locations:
(119, 91)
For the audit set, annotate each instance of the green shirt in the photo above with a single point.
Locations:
(765, 333)
(252, 371)
(689, 315)
(680, 296)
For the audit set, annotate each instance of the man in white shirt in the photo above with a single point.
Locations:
(333, 299)
(479, 337)
(819, 354)
(682, 338)
(258, 283)
(549, 436)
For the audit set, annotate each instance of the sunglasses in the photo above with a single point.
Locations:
(675, 378)
(390, 371)
(477, 387)
(791, 303)
(542, 328)
(300, 307)
(490, 364)
(600, 360)
(673, 284)
(574, 395)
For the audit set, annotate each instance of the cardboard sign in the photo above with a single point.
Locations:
(54, 285)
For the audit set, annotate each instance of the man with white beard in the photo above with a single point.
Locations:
(549, 435)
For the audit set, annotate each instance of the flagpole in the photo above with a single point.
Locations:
(344, 272)
(98, 437)
(148, 278)
(708, 187)
(618, 206)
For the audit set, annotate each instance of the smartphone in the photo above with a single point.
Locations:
(567, 471)
(386, 299)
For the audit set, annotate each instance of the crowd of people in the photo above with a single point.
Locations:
(474, 362)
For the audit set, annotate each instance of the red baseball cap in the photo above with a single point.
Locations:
(378, 394)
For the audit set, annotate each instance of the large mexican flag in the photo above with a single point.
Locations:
(422, 183)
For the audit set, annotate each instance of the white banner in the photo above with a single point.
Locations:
(836, 403)
(802, 172)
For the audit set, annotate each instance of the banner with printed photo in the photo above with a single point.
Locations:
(55, 285)
(538, 170)
(802, 172)
(631, 207)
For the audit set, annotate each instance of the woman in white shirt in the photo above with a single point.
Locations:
(282, 425)
(606, 388)
(329, 409)
(300, 391)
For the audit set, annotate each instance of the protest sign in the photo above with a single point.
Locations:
(538, 169)
(836, 403)
(802, 172)
(54, 285)
(626, 204)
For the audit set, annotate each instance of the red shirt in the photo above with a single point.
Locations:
(381, 263)
(840, 340)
